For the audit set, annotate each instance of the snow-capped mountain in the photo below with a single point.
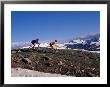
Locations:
(89, 42)
(92, 37)
(16, 45)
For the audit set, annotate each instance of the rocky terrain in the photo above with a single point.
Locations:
(68, 62)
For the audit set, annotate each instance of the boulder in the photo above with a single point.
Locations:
(26, 60)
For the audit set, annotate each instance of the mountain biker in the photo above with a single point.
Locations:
(54, 44)
(35, 43)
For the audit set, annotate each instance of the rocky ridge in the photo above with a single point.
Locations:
(68, 62)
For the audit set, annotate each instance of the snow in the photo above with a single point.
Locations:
(23, 45)
(95, 51)
(19, 72)
(26, 47)
(61, 46)
(96, 43)
(88, 51)
(44, 45)
(79, 41)
(15, 45)
(69, 43)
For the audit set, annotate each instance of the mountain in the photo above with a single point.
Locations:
(90, 42)
(16, 45)
(92, 37)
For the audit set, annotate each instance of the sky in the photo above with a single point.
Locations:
(51, 25)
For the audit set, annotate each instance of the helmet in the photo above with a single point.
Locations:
(37, 39)
(55, 40)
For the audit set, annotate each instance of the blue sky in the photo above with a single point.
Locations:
(50, 25)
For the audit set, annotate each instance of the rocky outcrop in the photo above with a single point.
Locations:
(58, 61)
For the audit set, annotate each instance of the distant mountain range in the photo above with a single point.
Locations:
(90, 42)
(16, 45)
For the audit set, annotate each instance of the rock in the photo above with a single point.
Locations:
(68, 62)
(46, 58)
(90, 74)
(19, 50)
(48, 64)
(13, 51)
(60, 63)
(26, 61)
(82, 70)
(63, 70)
